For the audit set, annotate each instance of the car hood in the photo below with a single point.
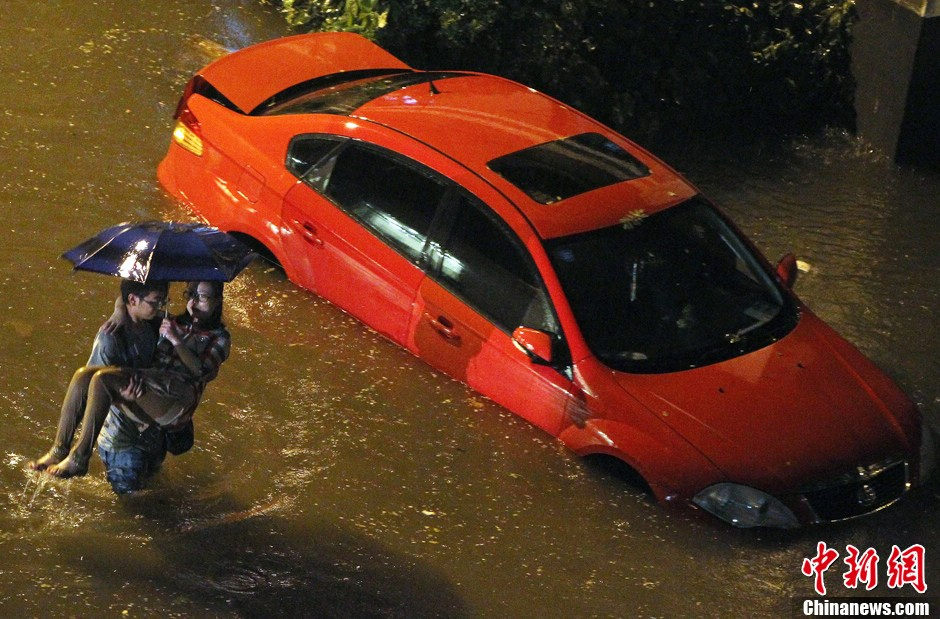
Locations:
(778, 418)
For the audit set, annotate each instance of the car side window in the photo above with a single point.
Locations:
(306, 151)
(394, 199)
(483, 263)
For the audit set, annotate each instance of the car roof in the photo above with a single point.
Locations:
(472, 118)
(475, 118)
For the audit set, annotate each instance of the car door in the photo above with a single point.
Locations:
(481, 285)
(356, 226)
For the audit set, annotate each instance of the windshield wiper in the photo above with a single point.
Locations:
(737, 336)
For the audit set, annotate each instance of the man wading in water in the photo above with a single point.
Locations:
(131, 345)
(156, 403)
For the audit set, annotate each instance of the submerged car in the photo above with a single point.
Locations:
(550, 264)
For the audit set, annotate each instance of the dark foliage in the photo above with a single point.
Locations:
(642, 66)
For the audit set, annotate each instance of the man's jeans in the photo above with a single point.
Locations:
(129, 469)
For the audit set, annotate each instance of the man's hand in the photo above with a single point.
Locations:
(134, 388)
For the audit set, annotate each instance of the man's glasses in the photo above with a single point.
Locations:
(157, 304)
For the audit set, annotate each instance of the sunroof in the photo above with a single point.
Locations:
(345, 98)
(557, 170)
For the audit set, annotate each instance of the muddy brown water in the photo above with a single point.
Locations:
(335, 474)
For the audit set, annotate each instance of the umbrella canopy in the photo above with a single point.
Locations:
(162, 250)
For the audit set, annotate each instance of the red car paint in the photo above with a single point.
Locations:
(801, 410)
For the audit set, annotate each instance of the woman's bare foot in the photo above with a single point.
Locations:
(51, 457)
(70, 467)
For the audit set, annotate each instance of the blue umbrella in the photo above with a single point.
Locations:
(162, 250)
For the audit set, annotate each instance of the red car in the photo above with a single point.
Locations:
(550, 264)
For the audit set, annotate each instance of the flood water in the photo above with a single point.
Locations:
(335, 474)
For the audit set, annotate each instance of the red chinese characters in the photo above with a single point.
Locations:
(862, 568)
(907, 567)
(903, 567)
(819, 564)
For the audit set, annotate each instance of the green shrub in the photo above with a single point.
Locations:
(643, 66)
(361, 16)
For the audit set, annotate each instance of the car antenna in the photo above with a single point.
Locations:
(434, 89)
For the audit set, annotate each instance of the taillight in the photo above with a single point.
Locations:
(187, 138)
(185, 133)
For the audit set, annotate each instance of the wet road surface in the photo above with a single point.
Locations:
(335, 474)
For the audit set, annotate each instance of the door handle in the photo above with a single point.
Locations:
(443, 326)
(309, 233)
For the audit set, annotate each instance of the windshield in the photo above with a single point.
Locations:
(670, 291)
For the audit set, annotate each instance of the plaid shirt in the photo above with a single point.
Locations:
(210, 346)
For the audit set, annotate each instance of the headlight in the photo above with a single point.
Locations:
(745, 507)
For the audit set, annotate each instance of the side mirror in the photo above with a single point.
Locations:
(786, 270)
(536, 344)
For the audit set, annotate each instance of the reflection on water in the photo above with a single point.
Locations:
(334, 473)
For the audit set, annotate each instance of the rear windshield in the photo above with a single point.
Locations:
(346, 97)
(557, 170)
